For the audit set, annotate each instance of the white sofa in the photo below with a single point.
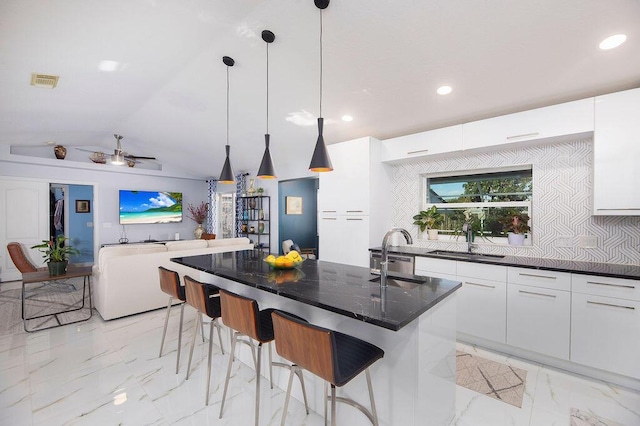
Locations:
(125, 279)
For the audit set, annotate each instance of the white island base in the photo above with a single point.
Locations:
(414, 384)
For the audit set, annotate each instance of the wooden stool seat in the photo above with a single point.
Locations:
(170, 284)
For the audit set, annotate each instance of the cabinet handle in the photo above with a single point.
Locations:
(417, 152)
(537, 294)
(329, 218)
(523, 135)
(329, 211)
(612, 285)
(354, 211)
(609, 304)
(480, 285)
(350, 218)
(536, 276)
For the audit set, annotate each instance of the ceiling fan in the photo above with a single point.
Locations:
(119, 156)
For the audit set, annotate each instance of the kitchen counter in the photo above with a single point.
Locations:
(342, 289)
(590, 268)
(414, 323)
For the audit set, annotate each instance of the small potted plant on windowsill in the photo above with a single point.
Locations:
(516, 225)
(429, 219)
(56, 254)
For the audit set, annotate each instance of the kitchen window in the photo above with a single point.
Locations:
(487, 198)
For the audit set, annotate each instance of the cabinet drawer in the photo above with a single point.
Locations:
(605, 286)
(604, 333)
(538, 319)
(539, 278)
(488, 272)
(430, 264)
(420, 145)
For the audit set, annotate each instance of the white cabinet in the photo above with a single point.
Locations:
(538, 319)
(537, 124)
(605, 324)
(616, 149)
(538, 311)
(353, 207)
(421, 145)
(482, 301)
(438, 268)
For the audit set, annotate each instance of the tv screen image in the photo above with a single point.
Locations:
(139, 207)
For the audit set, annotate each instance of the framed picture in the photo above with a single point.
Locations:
(294, 205)
(83, 206)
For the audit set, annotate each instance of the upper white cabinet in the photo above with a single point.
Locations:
(420, 145)
(616, 175)
(542, 123)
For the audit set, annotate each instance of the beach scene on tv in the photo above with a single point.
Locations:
(137, 207)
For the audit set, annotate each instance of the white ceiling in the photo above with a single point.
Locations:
(383, 61)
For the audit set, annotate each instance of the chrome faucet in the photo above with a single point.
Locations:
(384, 258)
(468, 229)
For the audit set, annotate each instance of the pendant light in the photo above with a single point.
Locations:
(266, 170)
(227, 172)
(320, 162)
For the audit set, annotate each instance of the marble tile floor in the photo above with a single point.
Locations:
(108, 373)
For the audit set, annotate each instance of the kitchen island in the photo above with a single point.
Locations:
(412, 320)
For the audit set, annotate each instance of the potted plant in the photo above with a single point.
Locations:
(516, 225)
(199, 215)
(429, 219)
(56, 254)
(260, 191)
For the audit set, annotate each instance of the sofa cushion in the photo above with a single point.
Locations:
(185, 245)
(227, 242)
(109, 252)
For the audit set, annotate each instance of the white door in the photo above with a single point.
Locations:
(24, 219)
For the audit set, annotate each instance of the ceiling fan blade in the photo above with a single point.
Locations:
(88, 150)
(138, 157)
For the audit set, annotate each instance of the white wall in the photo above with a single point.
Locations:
(106, 185)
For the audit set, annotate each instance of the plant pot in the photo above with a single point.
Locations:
(198, 231)
(433, 234)
(57, 268)
(515, 239)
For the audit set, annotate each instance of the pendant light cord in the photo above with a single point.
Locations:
(267, 88)
(320, 62)
(227, 105)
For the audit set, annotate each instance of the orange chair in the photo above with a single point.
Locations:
(20, 259)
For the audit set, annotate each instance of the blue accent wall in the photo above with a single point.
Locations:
(81, 224)
(302, 229)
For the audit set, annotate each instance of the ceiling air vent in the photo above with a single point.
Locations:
(43, 80)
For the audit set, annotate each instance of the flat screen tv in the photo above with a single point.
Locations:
(139, 207)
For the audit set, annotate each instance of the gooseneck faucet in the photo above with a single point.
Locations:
(384, 259)
(469, 231)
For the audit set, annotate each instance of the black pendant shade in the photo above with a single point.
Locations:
(320, 162)
(227, 172)
(266, 170)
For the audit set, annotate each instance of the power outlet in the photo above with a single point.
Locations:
(588, 241)
(563, 241)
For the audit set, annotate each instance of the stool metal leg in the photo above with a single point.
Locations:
(374, 412)
(258, 383)
(226, 381)
(179, 337)
(193, 343)
(286, 400)
(209, 360)
(166, 321)
(326, 398)
(297, 371)
(333, 405)
(270, 365)
(201, 327)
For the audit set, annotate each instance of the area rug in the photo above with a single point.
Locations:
(41, 299)
(585, 418)
(500, 381)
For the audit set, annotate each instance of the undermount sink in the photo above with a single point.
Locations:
(399, 282)
(464, 255)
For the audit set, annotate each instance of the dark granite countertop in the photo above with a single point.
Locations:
(343, 289)
(591, 268)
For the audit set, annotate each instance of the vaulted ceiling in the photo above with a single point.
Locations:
(383, 61)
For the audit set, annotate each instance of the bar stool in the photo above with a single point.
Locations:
(335, 357)
(206, 299)
(170, 284)
(242, 315)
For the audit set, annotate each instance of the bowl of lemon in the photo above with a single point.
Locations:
(289, 261)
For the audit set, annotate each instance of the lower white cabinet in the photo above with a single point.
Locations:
(538, 319)
(482, 308)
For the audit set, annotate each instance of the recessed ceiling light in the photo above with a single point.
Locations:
(444, 90)
(612, 42)
(347, 118)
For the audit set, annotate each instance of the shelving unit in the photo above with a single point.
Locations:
(255, 212)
